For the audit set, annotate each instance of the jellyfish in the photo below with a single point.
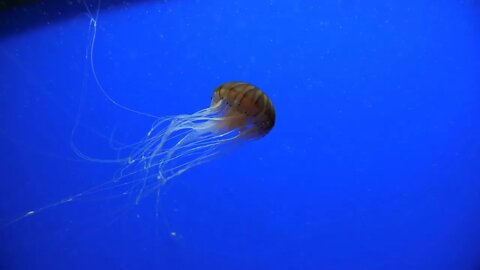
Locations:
(239, 112)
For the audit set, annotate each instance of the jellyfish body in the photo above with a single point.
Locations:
(238, 112)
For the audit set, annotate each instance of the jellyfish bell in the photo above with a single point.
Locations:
(245, 107)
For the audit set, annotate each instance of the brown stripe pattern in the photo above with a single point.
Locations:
(249, 100)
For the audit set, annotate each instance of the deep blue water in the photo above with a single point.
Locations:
(374, 162)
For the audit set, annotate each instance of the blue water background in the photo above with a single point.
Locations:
(374, 162)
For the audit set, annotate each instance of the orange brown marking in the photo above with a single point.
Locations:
(246, 104)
